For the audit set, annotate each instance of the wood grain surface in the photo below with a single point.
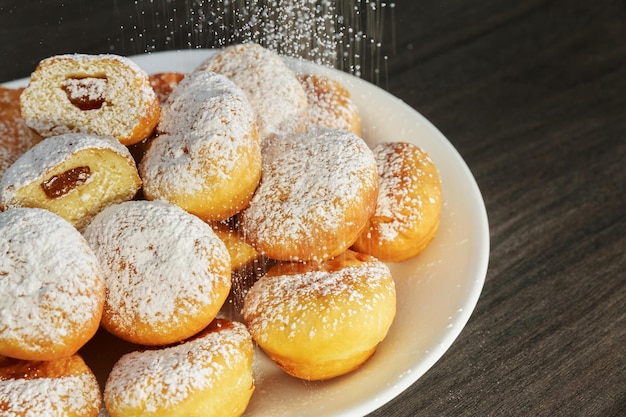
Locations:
(533, 96)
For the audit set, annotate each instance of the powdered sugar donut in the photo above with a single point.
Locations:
(73, 175)
(206, 157)
(409, 204)
(321, 320)
(273, 90)
(208, 376)
(100, 94)
(167, 273)
(52, 286)
(57, 388)
(318, 190)
(330, 104)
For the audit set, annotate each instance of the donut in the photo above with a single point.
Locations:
(276, 95)
(330, 104)
(206, 157)
(167, 273)
(105, 95)
(318, 190)
(209, 376)
(319, 320)
(409, 204)
(15, 137)
(73, 175)
(56, 388)
(52, 287)
(163, 83)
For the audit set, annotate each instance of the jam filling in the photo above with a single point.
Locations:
(86, 93)
(61, 184)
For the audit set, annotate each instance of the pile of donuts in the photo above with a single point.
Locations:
(194, 216)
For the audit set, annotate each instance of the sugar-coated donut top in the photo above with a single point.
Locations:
(49, 153)
(330, 103)
(33, 389)
(153, 254)
(155, 379)
(309, 180)
(343, 289)
(273, 90)
(49, 275)
(403, 168)
(44, 397)
(205, 115)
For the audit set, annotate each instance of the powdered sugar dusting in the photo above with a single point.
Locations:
(309, 180)
(50, 397)
(272, 89)
(402, 172)
(330, 104)
(287, 300)
(205, 123)
(49, 278)
(49, 153)
(161, 263)
(160, 379)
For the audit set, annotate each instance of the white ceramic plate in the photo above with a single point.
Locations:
(437, 291)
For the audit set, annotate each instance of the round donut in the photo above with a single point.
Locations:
(208, 376)
(167, 273)
(56, 388)
(273, 90)
(321, 320)
(207, 156)
(73, 175)
(409, 204)
(318, 190)
(15, 137)
(330, 104)
(100, 94)
(52, 287)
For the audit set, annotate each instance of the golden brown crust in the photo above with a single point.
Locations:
(330, 104)
(321, 320)
(409, 204)
(209, 375)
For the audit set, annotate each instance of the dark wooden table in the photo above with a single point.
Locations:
(533, 95)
